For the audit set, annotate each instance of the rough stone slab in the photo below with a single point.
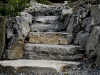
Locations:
(15, 67)
(49, 38)
(52, 52)
(40, 27)
(81, 38)
(95, 11)
(46, 19)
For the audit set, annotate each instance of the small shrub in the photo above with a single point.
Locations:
(47, 2)
(71, 0)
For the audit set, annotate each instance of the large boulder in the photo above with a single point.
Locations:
(93, 42)
(17, 29)
(2, 35)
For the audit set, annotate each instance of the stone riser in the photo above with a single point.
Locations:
(53, 52)
(46, 19)
(54, 57)
(40, 27)
(54, 38)
(46, 12)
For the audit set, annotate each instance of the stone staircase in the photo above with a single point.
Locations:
(47, 49)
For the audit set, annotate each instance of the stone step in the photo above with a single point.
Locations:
(53, 52)
(33, 67)
(50, 11)
(54, 38)
(41, 27)
(46, 19)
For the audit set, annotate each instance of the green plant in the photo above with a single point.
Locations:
(12, 7)
(47, 2)
(71, 0)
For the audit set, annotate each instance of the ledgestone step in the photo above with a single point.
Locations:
(53, 52)
(34, 67)
(41, 27)
(54, 38)
(46, 19)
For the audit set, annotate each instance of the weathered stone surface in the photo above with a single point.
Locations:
(67, 11)
(87, 23)
(81, 38)
(52, 52)
(2, 35)
(23, 26)
(40, 27)
(95, 11)
(93, 41)
(49, 38)
(98, 58)
(46, 19)
(28, 17)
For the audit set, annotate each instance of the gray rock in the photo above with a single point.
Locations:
(75, 20)
(81, 38)
(23, 26)
(65, 19)
(87, 23)
(93, 41)
(27, 16)
(66, 11)
(97, 62)
(17, 30)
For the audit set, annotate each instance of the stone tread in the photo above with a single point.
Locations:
(57, 65)
(46, 19)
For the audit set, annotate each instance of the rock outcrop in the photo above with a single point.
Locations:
(2, 35)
